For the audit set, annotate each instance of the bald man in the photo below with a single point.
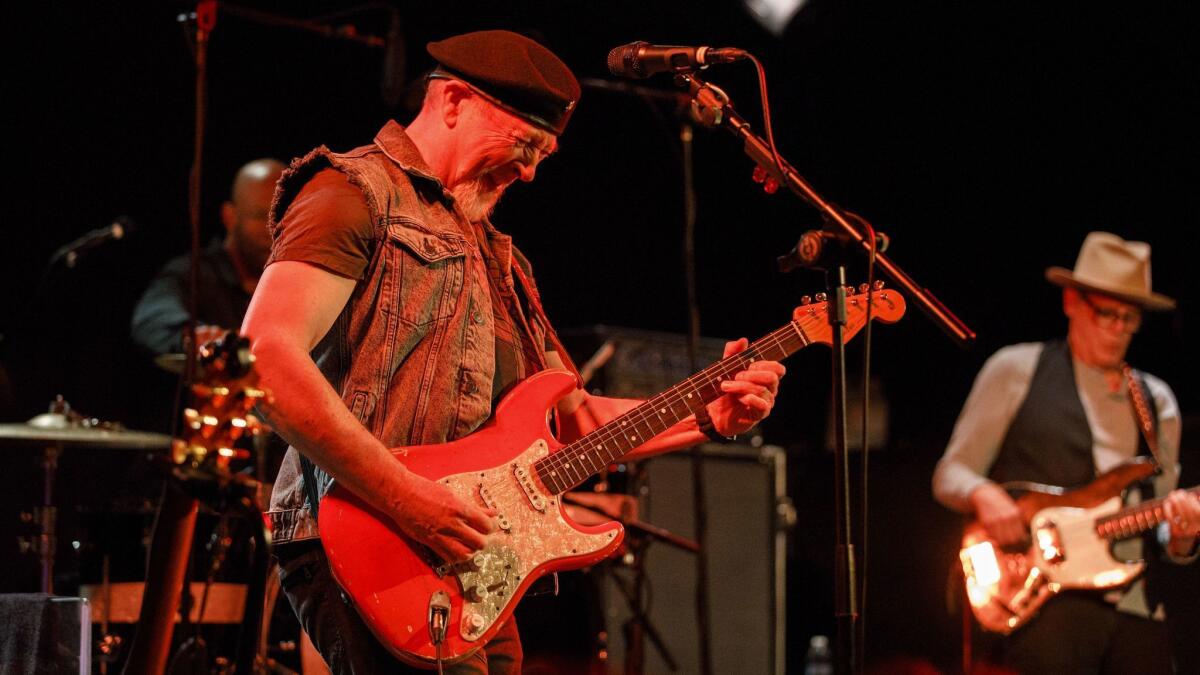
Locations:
(229, 269)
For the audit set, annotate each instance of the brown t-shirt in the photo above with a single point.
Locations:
(328, 225)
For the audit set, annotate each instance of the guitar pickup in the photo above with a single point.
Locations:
(525, 480)
(1048, 543)
(485, 496)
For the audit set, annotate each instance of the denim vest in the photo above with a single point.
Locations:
(412, 353)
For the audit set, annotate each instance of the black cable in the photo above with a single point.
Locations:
(766, 114)
(869, 232)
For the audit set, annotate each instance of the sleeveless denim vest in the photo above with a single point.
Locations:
(412, 353)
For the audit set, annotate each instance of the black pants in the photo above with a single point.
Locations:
(1081, 633)
(346, 643)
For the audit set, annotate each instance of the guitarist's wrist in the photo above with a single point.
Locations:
(704, 424)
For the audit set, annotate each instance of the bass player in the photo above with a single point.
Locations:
(1059, 413)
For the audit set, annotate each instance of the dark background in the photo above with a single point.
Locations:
(986, 139)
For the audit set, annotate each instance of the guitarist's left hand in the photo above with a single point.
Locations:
(1182, 509)
(749, 395)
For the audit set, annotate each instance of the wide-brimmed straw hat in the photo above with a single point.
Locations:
(1109, 265)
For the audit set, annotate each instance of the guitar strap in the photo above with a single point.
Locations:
(310, 485)
(1146, 414)
(1142, 413)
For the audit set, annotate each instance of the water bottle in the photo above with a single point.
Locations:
(818, 661)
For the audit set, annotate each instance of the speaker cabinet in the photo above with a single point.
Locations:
(44, 634)
(749, 514)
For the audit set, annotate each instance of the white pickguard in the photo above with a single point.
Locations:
(1086, 559)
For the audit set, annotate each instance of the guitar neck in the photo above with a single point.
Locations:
(585, 457)
(1134, 520)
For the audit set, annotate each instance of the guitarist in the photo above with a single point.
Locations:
(392, 313)
(1059, 413)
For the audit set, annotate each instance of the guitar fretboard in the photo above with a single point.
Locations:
(574, 463)
(1133, 520)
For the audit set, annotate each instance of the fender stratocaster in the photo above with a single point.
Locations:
(514, 465)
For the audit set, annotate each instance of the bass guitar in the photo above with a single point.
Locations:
(1071, 535)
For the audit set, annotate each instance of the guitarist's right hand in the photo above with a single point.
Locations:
(436, 517)
(999, 515)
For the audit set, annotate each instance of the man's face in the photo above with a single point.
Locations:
(500, 148)
(1099, 327)
(246, 220)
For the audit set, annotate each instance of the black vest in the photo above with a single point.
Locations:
(1049, 440)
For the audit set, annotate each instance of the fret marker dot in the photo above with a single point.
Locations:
(633, 438)
(689, 395)
(663, 411)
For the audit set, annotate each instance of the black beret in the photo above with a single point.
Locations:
(520, 74)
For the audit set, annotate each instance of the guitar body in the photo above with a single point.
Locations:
(1006, 588)
(391, 580)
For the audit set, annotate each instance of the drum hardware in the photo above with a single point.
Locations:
(200, 466)
(55, 430)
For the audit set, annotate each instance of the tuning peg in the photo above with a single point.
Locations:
(770, 186)
(758, 175)
(805, 300)
(862, 288)
(879, 285)
(821, 297)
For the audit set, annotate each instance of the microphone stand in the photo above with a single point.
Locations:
(714, 109)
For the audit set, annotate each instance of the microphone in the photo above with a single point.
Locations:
(391, 84)
(120, 227)
(642, 59)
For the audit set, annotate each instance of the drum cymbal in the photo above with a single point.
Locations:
(54, 428)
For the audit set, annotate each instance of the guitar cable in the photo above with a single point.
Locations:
(438, 618)
(869, 234)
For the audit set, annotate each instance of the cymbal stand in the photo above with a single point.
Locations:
(46, 516)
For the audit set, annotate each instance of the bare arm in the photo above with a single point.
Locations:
(293, 307)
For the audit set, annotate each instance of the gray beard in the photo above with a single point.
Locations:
(475, 200)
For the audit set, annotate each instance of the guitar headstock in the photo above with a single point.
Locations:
(219, 418)
(813, 316)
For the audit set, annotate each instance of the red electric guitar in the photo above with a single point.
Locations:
(423, 609)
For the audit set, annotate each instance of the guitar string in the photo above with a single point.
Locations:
(607, 434)
(641, 415)
(645, 413)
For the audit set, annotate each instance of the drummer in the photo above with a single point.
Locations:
(228, 274)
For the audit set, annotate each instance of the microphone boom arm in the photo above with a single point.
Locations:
(758, 150)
